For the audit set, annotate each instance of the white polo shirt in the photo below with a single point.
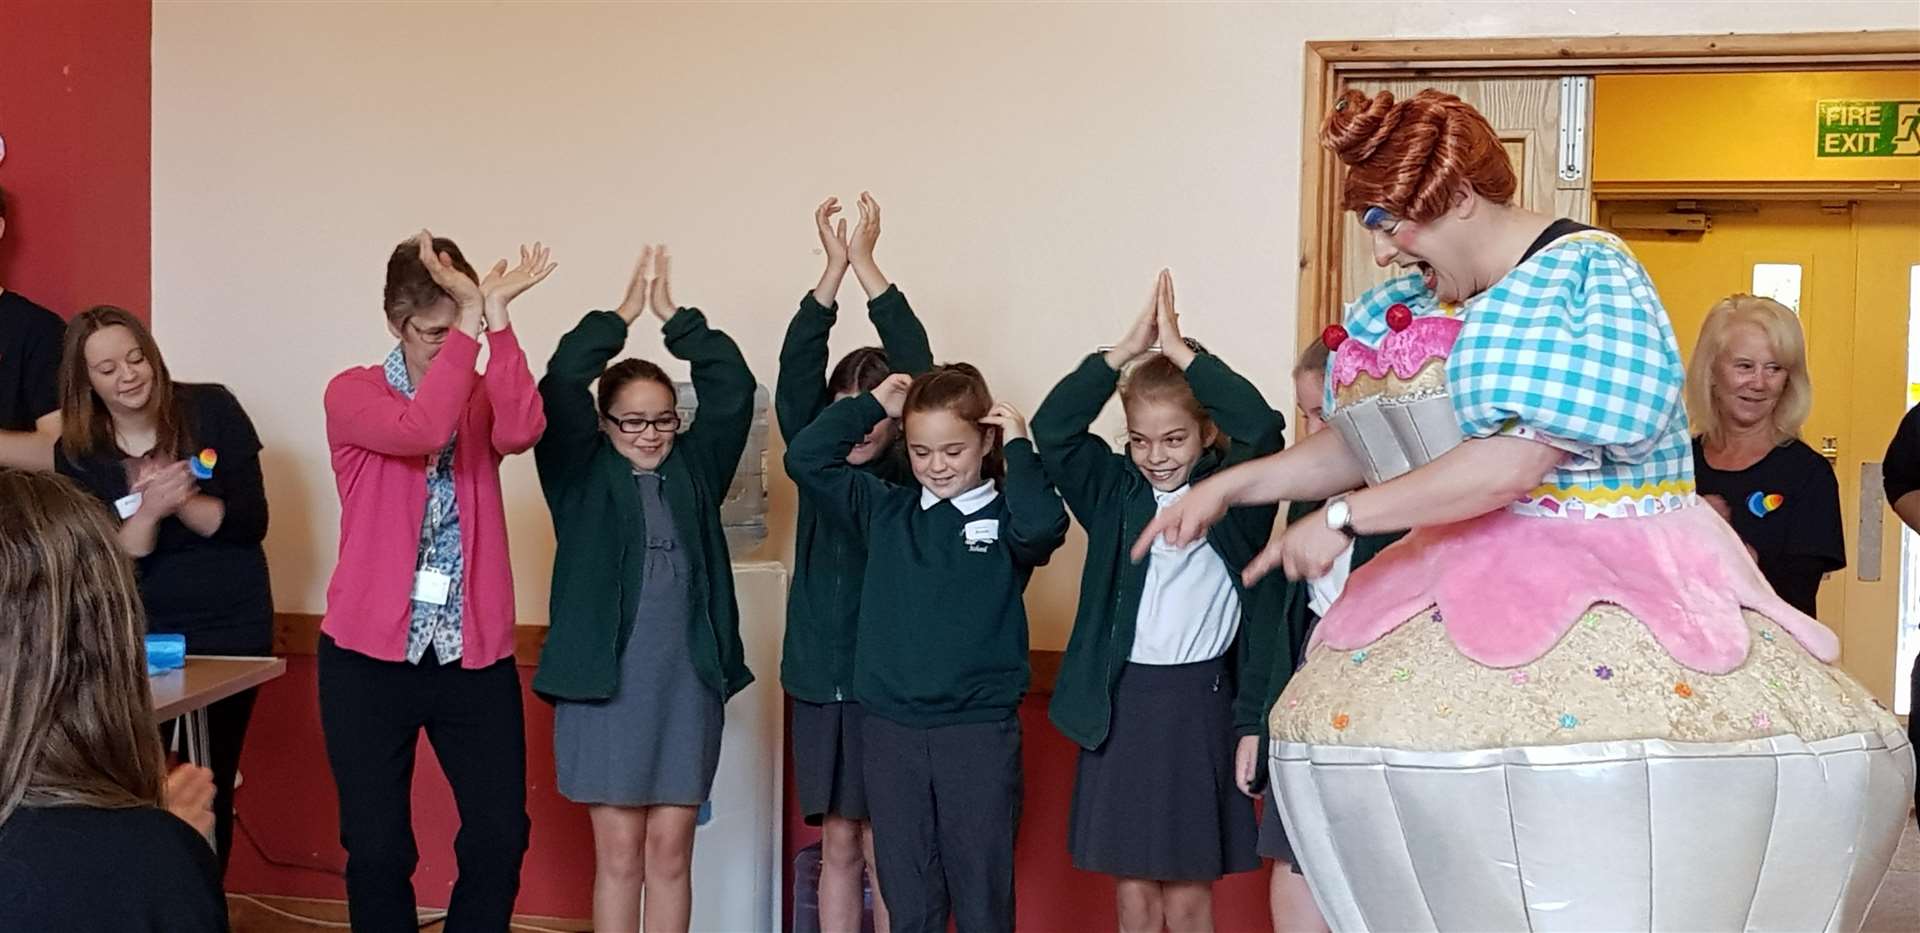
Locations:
(1189, 609)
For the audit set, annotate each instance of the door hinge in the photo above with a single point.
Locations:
(1573, 128)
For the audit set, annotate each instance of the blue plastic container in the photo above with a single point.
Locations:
(166, 653)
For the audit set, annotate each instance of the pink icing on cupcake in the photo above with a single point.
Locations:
(1401, 352)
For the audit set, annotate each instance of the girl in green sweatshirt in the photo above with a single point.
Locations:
(644, 648)
(823, 600)
(940, 660)
(1159, 685)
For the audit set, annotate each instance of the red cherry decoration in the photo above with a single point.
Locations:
(1399, 317)
(1333, 336)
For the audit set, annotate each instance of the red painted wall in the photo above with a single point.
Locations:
(76, 111)
(287, 804)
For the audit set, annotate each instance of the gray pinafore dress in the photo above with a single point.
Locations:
(657, 739)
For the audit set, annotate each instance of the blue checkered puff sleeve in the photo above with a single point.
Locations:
(1574, 348)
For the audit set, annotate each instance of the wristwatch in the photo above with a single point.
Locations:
(1340, 517)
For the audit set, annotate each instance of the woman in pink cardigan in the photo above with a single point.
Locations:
(419, 626)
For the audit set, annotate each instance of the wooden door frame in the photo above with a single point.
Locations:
(1328, 64)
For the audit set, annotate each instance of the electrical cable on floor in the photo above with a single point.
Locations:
(261, 851)
(425, 921)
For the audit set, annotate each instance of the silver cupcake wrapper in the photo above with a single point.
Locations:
(1776, 834)
(1392, 436)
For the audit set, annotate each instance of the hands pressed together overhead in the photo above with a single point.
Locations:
(650, 287)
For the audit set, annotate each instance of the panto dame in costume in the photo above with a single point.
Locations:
(1568, 699)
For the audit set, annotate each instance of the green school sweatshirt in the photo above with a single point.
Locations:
(942, 636)
(823, 598)
(598, 527)
(1114, 503)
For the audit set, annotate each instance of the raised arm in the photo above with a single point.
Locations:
(566, 393)
(800, 389)
(817, 457)
(901, 333)
(1037, 520)
(1083, 467)
(860, 248)
(721, 381)
(365, 414)
(1232, 402)
(518, 419)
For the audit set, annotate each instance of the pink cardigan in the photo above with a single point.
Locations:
(380, 442)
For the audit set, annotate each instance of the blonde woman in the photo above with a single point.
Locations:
(1748, 394)
(85, 844)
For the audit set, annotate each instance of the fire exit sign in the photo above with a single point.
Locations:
(1856, 128)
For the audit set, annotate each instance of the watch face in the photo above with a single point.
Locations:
(1337, 516)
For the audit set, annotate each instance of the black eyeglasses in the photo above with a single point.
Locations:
(665, 424)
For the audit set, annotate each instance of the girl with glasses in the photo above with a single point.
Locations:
(644, 648)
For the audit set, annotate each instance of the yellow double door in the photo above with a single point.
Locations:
(1857, 264)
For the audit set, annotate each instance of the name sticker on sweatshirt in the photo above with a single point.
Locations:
(980, 535)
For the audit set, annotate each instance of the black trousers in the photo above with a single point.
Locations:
(1913, 729)
(372, 713)
(945, 806)
(226, 732)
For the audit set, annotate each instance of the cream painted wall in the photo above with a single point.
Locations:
(1037, 163)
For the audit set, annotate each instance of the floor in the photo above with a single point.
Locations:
(1897, 910)
(272, 915)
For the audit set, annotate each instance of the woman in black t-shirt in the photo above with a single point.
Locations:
(1747, 395)
(85, 846)
(194, 523)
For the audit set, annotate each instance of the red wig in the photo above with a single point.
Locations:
(1410, 157)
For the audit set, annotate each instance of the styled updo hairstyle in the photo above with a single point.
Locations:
(1156, 378)
(1410, 157)
(960, 390)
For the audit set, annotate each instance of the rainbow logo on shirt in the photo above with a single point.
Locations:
(202, 465)
(1761, 503)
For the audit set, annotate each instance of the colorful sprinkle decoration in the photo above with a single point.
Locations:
(1519, 678)
(1442, 710)
(1340, 721)
(1359, 656)
(1402, 674)
(1683, 690)
(1774, 684)
(1293, 702)
(1603, 672)
(1762, 721)
(1568, 720)
(1766, 634)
